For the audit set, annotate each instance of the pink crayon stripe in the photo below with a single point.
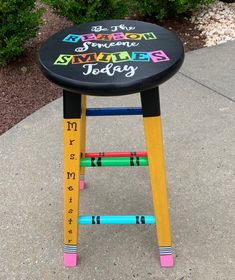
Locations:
(167, 261)
(70, 259)
(116, 154)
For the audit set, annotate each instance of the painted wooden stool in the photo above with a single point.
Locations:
(111, 58)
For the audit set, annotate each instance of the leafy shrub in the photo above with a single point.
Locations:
(79, 11)
(19, 22)
(161, 9)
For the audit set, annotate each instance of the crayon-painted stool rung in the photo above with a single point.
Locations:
(114, 111)
(121, 220)
(114, 161)
(115, 154)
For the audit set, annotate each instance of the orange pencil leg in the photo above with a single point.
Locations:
(72, 150)
(83, 141)
(154, 145)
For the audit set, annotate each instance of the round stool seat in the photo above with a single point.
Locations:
(111, 57)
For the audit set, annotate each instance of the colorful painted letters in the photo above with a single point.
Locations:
(110, 63)
(116, 57)
(104, 37)
(88, 37)
(84, 58)
(63, 59)
(74, 38)
(104, 57)
(158, 56)
(140, 56)
(120, 57)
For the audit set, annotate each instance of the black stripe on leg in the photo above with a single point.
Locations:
(150, 102)
(72, 105)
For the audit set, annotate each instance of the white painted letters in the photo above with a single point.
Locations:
(109, 69)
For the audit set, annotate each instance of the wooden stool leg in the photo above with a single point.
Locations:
(72, 149)
(153, 135)
(83, 141)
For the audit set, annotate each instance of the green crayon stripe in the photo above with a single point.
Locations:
(114, 161)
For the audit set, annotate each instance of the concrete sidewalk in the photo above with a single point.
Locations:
(198, 119)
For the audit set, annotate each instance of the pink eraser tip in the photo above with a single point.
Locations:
(70, 259)
(82, 184)
(167, 260)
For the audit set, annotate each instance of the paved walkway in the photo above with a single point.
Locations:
(198, 117)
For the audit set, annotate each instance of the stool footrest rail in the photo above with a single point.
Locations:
(115, 154)
(114, 111)
(111, 220)
(113, 161)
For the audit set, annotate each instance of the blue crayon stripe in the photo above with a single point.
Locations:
(165, 250)
(114, 111)
(111, 220)
(70, 249)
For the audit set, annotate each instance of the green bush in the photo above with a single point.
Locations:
(79, 11)
(19, 22)
(161, 9)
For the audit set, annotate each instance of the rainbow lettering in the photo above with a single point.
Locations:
(74, 38)
(116, 57)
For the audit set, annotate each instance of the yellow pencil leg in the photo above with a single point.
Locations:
(72, 152)
(154, 145)
(83, 141)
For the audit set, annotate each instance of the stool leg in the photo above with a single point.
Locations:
(83, 141)
(153, 136)
(72, 149)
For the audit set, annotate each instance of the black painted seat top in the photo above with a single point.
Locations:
(111, 57)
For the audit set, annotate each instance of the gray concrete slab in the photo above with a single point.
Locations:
(214, 67)
(199, 148)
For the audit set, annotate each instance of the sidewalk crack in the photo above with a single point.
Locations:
(215, 91)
